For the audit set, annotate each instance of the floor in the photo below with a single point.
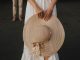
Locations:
(11, 44)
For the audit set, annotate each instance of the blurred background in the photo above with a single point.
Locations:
(11, 42)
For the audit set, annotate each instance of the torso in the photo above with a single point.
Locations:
(42, 3)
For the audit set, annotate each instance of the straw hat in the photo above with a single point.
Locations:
(43, 37)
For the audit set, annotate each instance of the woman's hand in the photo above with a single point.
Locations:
(37, 8)
(40, 12)
(49, 11)
(48, 14)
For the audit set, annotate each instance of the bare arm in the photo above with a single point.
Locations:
(52, 4)
(35, 5)
(49, 10)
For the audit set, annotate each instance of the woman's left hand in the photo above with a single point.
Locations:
(48, 14)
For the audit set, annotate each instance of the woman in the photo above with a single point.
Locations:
(45, 10)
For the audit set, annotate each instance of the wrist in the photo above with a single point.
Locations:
(50, 9)
(38, 9)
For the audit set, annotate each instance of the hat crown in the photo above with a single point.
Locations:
(40, 33)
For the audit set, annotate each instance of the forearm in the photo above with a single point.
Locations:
(52, 4)
(34, 4)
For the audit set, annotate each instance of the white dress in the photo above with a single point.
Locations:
(29, 12)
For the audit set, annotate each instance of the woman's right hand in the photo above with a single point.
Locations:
(37, 8)
(40, 12)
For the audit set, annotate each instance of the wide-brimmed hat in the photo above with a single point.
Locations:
(48, 35)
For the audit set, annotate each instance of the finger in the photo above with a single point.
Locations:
(46, 16)
(45, 12)
(41, 14)
(38, 15)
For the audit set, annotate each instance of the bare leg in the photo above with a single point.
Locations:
(14, 9)
(20, 2)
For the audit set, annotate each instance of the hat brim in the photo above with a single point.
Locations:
(57, 31)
